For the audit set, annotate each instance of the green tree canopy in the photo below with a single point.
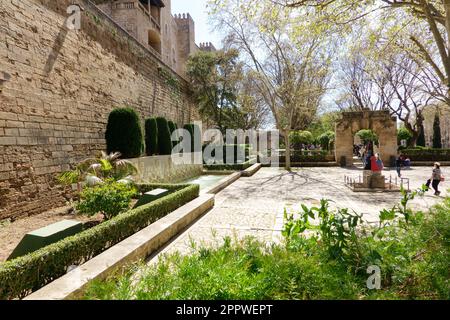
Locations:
(367, 136)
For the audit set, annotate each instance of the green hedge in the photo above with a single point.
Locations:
(307, 156)
(151, 137)
(22, 276)
(423, 154)
(124, 133)
(237, 149)
(229, 167)
(195, 133)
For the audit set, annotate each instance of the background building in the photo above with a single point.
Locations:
(170, 37)
(444, 114)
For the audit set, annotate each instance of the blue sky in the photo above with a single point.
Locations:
(197, 9)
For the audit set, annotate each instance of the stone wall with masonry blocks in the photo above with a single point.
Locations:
(63, 85)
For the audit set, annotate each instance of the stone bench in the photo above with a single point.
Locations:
(41, 238)
(151, 196)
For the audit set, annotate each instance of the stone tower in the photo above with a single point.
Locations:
(185, 39)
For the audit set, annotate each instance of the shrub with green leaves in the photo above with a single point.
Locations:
(367, 136)
(151, 137)
(299, 138)
(164, 138)
(172, 128)
(427, 154)
(109, 199)
(326, 140)
(404, 134)
(194, 131)
(124, 133)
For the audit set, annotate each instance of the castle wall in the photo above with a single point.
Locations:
(64, 84)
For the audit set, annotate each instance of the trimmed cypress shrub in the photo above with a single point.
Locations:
(164, 140)
(173, 127)
(151, 136)
(421, 139)
(124, 133)
(194, 130)
(437, 136)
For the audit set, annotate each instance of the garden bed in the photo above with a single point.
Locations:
(26, 274)
(12, 232)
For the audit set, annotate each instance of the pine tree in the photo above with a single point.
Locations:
(151, 136)
(437, 138)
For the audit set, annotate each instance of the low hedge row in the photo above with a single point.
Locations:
(22, 276)
(427, 154)
(229, 167)
(308, 156)
(236, 149)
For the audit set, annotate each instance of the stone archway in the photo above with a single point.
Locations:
(381, 122)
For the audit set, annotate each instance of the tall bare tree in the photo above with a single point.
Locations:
(283, 62)
(431, 47)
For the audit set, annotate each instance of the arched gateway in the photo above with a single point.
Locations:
(380, 122)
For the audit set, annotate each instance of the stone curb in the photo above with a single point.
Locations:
(137, 247)
(225, 182)
(252, 170)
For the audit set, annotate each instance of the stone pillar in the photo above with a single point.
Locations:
(387, 135)
(344, 144)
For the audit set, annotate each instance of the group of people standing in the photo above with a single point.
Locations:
(372, 161)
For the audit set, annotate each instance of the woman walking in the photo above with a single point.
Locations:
(436, 178)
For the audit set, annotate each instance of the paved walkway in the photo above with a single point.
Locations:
(255, 206)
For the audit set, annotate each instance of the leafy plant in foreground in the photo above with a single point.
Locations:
(109, 199)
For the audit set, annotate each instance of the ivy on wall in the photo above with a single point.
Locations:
(172, 82)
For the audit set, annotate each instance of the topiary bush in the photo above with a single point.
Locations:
(151, 136)
(172, 128)
(124, 133)
(437, 135)
(194, 130)
(164, 139)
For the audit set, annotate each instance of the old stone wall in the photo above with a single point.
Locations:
(63, 85)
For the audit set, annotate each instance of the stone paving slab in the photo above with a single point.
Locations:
(254, 206)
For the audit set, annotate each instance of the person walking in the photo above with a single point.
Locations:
(399, 162)
(436, 179)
